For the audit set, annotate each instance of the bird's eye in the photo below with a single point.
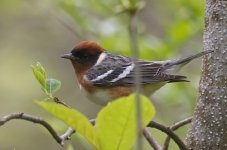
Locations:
(85, 56)
(81, 56)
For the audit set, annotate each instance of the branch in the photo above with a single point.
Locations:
(67, 134)
(70, 131)
(153, 143)
(58, 101)
(175, 127)
(38, 120)
(169, 132)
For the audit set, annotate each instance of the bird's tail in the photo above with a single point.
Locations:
(175, 65)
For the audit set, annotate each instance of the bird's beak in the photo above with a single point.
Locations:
(68, 56)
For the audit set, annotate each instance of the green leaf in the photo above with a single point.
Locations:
(81, 142)
(73, 118)
(40, 74)
(116, 123)
(69, 147)
(52, 85)
(41, 68)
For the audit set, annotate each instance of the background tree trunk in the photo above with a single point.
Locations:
(209, 125)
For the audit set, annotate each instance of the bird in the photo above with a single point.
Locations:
(105, 76)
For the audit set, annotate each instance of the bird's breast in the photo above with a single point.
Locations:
(103, 96)
(149, 89)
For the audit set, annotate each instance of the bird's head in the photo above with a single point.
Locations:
(84, 55)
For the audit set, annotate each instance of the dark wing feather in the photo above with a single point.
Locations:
(151, 72)
(116, 63)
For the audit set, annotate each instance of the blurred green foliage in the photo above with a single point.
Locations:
(99, 20)
(31, 31)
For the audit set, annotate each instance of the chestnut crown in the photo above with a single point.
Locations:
(86, 52)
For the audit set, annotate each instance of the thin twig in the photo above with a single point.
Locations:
(67, 134)
(175, 127)
(181, 123)
(93, 121)
(169, 132)
(58, 101)
(135, 54)
(153, 143)
(38, 120)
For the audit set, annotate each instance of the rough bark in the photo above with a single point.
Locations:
(209, 125)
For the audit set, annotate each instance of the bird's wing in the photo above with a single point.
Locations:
(107, 72)
(120, 71)
(151, 72)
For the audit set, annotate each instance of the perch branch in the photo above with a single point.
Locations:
(70, 131)
(175, 127)
(38, 120)
(169, 132)
(67, 134)
(153, 143)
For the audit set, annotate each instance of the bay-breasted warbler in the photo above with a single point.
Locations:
(105, 76)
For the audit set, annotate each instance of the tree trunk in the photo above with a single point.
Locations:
(209, 125)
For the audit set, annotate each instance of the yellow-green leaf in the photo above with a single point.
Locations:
(40, 74)
(73, 118)
(52, 85)
(81, 142)
(41, 68)
(69, 147)
(116, 123)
